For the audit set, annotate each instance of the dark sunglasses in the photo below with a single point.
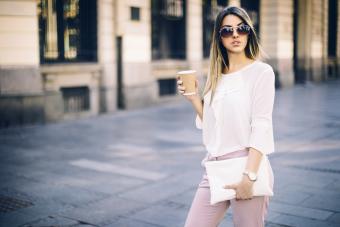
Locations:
(229, 31)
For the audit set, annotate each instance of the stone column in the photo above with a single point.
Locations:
(276, 37)
(194, 36)
(235, 3)
(317, 37)
(107, 55)
(312, 39)
(139, 85)
(21, 95)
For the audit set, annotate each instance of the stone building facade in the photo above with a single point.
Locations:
(74, 58)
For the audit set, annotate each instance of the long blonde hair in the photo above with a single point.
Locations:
(218, 53)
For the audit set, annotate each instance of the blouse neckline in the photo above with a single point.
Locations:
(225, 75)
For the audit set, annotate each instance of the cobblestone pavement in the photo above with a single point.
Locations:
(141, 168)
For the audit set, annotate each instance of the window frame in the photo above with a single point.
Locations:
(87, 24)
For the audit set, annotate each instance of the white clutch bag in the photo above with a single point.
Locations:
(230, 171)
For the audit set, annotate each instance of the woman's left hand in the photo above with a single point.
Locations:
(244, 189)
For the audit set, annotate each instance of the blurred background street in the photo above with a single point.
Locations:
(70, 59)
(141, 167)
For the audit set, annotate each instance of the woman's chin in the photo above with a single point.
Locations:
(236, 50)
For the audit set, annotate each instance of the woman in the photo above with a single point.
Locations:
(236, 118)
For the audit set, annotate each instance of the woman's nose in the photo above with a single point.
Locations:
(235, 34)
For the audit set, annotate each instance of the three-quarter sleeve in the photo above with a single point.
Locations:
(198, 122)
(261, 136)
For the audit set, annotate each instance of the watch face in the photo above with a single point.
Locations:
(252, 176)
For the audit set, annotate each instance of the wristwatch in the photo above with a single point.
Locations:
(251, 175)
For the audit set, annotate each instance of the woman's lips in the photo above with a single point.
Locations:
(236, 43)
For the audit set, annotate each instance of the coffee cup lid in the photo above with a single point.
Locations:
(186, 72)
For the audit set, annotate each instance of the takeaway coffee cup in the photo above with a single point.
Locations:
(188, 78)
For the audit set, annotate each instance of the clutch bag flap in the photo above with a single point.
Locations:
(230, 171)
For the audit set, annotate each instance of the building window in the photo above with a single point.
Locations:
(253, 9)
(210, 10)
(332, 27)
(168, 29)
(135, 13)
(167, 86)
(67, 30)
(76, 99)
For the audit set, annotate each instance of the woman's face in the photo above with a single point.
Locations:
(235, 42)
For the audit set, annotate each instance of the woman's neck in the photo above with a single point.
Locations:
(237, 61)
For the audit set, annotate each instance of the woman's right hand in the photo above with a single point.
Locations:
(181, 90)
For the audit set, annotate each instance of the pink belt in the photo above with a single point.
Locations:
(234, 154)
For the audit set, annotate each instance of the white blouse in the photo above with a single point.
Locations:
(240, 115)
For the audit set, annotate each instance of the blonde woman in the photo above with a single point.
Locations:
(235, 116)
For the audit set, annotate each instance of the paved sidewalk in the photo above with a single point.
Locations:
(140, 168)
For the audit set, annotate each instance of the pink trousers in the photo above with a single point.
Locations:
(246, 213)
